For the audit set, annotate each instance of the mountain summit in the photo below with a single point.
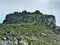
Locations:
(30, 17)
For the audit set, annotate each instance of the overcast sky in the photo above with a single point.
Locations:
(45, 6)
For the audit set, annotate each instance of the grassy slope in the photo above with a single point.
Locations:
(41, 35)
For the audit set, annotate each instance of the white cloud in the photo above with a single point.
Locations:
(42, 1)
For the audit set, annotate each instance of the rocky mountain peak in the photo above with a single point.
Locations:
(30, 17)
(29, 28)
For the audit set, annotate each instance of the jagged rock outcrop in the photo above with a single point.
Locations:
(30, 17)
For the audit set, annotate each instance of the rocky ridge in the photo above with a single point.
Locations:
(30, 17)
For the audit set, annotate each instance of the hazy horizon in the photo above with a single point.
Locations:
(44, 6)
